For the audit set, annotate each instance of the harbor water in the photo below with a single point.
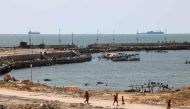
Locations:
(168, 68)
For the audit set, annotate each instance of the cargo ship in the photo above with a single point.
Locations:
(30, 32)
(152, 32)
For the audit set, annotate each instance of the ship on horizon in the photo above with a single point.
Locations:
(31, 32)
(152, 32)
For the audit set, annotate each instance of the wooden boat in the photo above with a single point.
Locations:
(127, 57)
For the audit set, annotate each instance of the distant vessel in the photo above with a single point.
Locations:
(30, 32)
(152, 32)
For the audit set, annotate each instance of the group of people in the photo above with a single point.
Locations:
(115, 100)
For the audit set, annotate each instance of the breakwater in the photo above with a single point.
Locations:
(94, 48)
(42, 59)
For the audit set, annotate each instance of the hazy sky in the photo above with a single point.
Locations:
(86, 16)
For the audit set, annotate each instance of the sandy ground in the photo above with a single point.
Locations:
(71, 99)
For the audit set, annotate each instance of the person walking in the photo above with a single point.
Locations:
(169, 104)
(87, 96)
(115, 97)
(123, 101)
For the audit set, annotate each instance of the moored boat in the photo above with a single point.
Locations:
(187, 61)
(127, 57)
(122, 56)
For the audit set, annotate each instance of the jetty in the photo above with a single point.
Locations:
(18, 58)
(160, 47)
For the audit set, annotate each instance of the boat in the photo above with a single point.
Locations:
(110, 55)
(187, 61)
(127, 57)
(121, 56)
(47, 79)
(152, 32)
(30, 32)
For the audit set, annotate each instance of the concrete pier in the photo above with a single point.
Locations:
(93, 48)
(45, 58)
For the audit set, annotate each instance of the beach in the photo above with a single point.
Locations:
(65, 99)
(41, 94)
(95, 54)
(26, 94)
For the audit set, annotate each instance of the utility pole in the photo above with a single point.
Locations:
(14, 49)
(32, 48)
(31, 72)
(29, 37)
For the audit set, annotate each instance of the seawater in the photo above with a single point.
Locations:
(168, 68)
(82, 40)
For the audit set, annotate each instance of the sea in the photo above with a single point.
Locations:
(167, 68)
(82, 40)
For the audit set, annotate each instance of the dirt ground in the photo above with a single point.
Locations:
(26, 95)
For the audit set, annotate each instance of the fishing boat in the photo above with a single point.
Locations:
(127, 57)
(121, 56)
(110, 55)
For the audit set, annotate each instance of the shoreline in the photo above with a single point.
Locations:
(73, 98)
(38, 57)
(74, 102)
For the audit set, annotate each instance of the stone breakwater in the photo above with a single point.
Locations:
(41, 59)
(94, 48)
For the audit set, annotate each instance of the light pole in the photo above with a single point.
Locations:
(31, 72)
(137, 36)
(59, 37)
(97, 36)
(113, 36)
(165, 36)
(72, 38)
(14, 49)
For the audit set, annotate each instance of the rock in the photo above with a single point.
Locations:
(28, 82)
(71, 88)
(7, 78)
(99, 83)
(47, 79)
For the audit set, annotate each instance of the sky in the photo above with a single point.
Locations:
(88, 16)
